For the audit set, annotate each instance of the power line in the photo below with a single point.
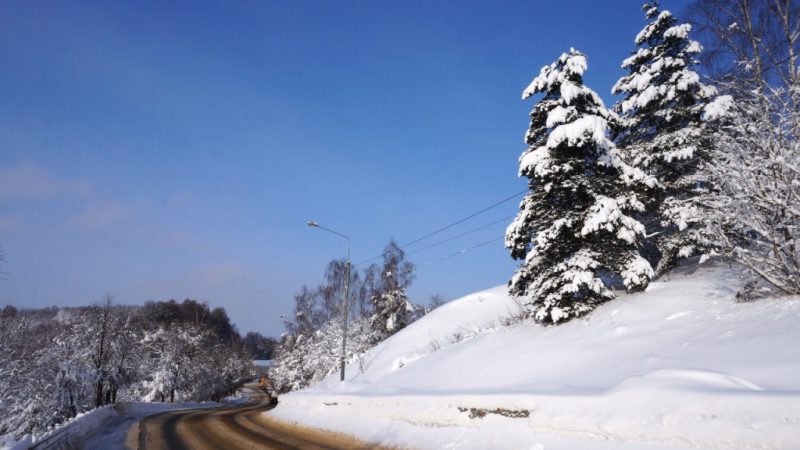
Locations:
(447, 227)
(460, 235)
(465, 219)
(461, 252)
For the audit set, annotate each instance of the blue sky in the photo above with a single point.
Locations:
(156, 150)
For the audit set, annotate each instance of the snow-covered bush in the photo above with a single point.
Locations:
(758, 171)
(754, 57)
(305, 360)
(185, 362)
(311, 347)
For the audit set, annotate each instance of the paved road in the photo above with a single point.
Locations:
(238, 427)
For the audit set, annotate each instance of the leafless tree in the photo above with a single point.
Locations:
(101, 353)
(752, 49)
(758, 172)
(749, 44)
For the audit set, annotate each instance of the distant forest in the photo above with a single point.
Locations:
(58, 362)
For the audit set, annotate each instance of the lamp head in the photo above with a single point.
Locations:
(312, 224)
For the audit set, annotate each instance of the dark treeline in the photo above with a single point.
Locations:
(58, 362)
(259, 346)
(192, 312)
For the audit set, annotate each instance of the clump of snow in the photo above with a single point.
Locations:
(595, 128)
(544, 237)
(678, 31)
(573, 63)
(650, 29)
(557, 116)
(537, 161)
(687, 78)
(638, 270)
(606, 214)
(694, 47)
(679, 153)
(681, 365)
(718, 108)
(575, 273)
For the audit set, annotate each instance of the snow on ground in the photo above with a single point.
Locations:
(681, 365)
(106, 427)
(111, 434)
(71, 430)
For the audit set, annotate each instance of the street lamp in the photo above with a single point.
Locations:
(313, 224)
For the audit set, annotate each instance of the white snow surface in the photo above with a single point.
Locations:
(718, 108)
(681, 365)
(112, 432)
(678, 31)
(106, 427)
(70, 432)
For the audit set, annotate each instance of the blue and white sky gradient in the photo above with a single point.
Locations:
(173, 149)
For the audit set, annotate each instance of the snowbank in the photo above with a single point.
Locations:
(74, 432)
(68, 433)
(113, 432)
(681, 365)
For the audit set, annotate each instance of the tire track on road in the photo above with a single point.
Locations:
(235, 427)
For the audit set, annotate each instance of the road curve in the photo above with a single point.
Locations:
(237, 427)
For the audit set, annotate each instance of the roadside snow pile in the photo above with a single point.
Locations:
(113, 432)
(681, 365)
(70, 432)
(86, 425)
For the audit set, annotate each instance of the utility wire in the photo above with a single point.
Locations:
(461, 252)
(460, 235)
(465, 218)
(447, 227)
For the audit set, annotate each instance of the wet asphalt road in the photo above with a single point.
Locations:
(236, 427)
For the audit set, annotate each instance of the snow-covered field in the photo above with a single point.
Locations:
(681, 365)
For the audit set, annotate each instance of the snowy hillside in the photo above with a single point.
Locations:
(681, 365)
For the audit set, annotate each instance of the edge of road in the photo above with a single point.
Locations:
(293, 431)
(340, 440)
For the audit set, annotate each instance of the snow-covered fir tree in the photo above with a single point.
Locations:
(574, 232)
(664, 135)
(392, 309)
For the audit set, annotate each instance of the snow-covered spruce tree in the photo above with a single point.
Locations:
(663, 135)
(574, 231)
(392, 309)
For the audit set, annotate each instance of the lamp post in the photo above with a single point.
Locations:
(346, 302)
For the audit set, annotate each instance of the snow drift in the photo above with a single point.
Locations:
(682, 365)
